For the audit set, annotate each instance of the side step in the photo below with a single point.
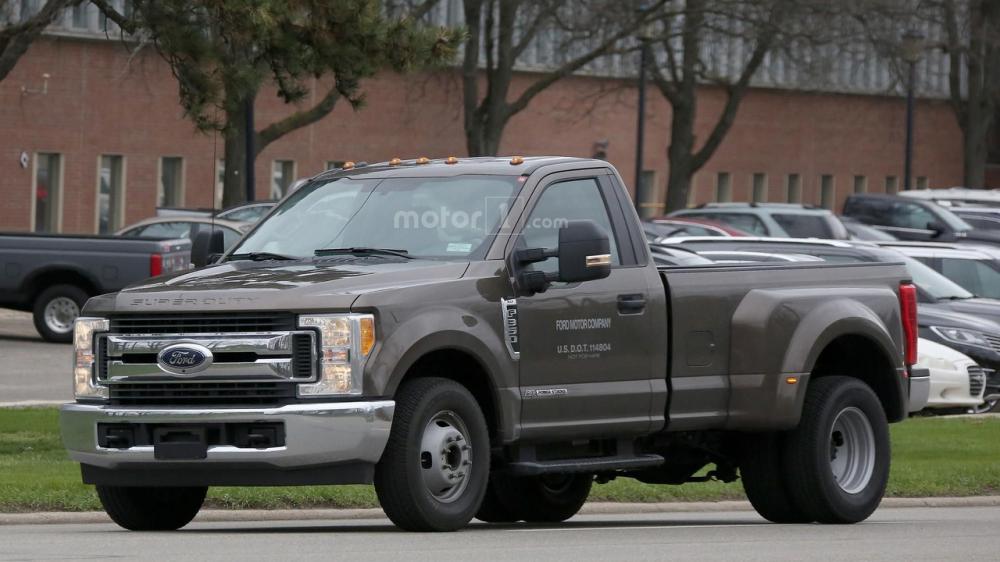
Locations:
(596, 464)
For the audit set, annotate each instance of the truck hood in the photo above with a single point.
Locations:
(303, 285)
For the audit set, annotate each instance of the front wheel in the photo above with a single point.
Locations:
(434, 471)
(149, 508)
(56, 310)
(837, 460)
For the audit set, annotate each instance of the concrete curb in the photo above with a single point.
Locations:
(32, 403)
(595, 508)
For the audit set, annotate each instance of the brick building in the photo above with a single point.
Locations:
(102, 141)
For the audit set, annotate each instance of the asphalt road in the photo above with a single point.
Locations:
(909, 534)
(31, 370)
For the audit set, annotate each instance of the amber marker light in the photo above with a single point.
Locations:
(451, 160)
(395, 162)
(347, 165)
(422, 160)
(792, 380)
(367, 330)
(516, 160)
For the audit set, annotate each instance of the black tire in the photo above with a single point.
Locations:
(764, 481)
(809, 452)
(399, 476)
(544, 499)
(491, 510)
(151, 509)
(54, 333)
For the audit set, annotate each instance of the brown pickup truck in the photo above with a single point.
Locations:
(488, 337)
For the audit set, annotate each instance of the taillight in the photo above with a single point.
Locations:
(155, 265)
(908, 312)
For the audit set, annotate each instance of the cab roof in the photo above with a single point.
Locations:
(439, 167)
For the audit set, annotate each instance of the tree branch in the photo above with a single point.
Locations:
(15, 39)
(298, 119)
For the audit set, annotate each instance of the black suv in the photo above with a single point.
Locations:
(911, 219)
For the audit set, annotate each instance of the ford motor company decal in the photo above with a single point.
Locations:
(583, 324)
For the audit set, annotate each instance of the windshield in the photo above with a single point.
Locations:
(933, 283)
(442, 218)
(954, 221)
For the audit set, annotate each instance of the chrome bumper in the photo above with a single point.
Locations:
(920, 389)
(316, 434)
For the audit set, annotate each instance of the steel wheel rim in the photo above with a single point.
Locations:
(60, 314)
(445, 456)
(852, 450)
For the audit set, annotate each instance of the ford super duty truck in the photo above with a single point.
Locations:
(487, 338)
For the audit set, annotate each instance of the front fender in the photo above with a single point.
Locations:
(780, 333)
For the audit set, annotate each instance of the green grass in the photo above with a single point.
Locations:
(931, 457)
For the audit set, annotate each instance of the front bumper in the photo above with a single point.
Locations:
(322, 434)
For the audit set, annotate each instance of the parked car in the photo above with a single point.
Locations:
(658, 229)
(489, 370)
(247, 212)
(680, 257)
(976, 269)
(909, 218)
(185, 227)
(947, 313)
(986, 218)
(957, 382)
(861, 231)
(956, 196)
(785, 220)
(53, 275)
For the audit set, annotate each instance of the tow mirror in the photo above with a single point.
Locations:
(936, 228)
(208, 246)
(584, 254)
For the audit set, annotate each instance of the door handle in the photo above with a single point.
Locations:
(631, 304)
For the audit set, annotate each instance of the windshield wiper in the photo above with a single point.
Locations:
(261, 256)
(363, 251)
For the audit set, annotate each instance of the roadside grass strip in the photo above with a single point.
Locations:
(931, 457)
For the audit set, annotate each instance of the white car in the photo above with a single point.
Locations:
(956, 380)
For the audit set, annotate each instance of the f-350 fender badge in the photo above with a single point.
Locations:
(508, 309)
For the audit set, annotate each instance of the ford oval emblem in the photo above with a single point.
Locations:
(184, 358)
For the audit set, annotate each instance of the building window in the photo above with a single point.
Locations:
(827, 192)
(110, 193)
(334, 164)
(282, 176)
(922, 182)
(220, 181)
(171, 189)
(47, 192)
(759, 184)
(891, 185)
(646, 195)
(79, 20)
(723, 187)
(793, 188)
(860, 184)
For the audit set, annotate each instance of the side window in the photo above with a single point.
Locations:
(166, 230)
(870, 211)
(229, 237)
(560, 203)
(977, 277)
(910, 215)
(982, 222)
(741, 221)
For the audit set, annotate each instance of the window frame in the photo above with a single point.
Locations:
(58, 212)
(161, 191)
(120, 203)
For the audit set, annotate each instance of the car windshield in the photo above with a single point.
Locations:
(933, 283)
(441, 218)
(953, 221)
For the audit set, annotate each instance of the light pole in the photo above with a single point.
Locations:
(645, 33)
(911, 48)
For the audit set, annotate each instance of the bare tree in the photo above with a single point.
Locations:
(680, 69)
(15, 37)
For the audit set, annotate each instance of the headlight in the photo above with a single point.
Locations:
(345, 340)
(962, 336)
(84, 385)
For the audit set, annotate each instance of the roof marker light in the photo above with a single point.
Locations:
(395, 162)
(347, 165)
(451, 160)
(516, 160)
(422, 160)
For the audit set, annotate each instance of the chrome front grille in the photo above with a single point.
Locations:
(977, 380)
(255, 359)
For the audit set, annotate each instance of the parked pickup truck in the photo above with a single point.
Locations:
(53, 275)
(487, 338)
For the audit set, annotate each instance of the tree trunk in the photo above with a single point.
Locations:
(234, 185)
(680, 156)
(974, 154)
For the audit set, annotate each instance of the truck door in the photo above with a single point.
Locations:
(584, 365)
